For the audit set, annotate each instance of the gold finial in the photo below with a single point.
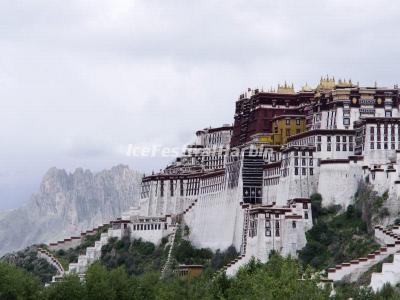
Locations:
(285, 89)
(326, 83)
(306, 88)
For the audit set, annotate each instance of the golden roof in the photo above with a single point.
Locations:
(306, 88)
(285, 89)
(326, 83)
(344, 83)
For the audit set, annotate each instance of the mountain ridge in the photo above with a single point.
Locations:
(67, 204)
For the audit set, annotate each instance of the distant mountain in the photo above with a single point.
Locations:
(68, 203)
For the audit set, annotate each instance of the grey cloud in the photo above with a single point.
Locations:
(82, 78)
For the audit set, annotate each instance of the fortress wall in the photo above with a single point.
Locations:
(378, 156)
(154, 236)
(382, 181)
(338, 182)
(213, 220)
(296, 186)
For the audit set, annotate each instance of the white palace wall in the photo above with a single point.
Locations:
(215, 221)
(338, 182)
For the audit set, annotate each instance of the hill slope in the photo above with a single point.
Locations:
(67, 204)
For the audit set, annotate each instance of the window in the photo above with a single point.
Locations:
(305, 206)
(303, 161)
(311, 171)
(337, 139)
(287, 132)
(385, 145)
(328, 147)
(372, 146)
(162, 188)
(388, 114)
(344, 147)
(310, 162)
(253, 227)
(303, 171)
(294, 224)
(296, 153)
(346, 121)
(337, 147)
(287, 121)
(328, 138)
(181, 187)
(318, 138)
(306, 215)
(318, 147)
(297, 121)
(296, 161)
(344, 139)
(267, 228)
(277, 233)
(297, 131)
(378, 146)
(296, 171)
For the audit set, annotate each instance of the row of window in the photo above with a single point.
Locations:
(149, 226)
(379, 145)
(303, 153)
(271, 181)
(213, 184)
(339, 147)
(303, 161)
(303, 171)
(287, 122)
(271, 172)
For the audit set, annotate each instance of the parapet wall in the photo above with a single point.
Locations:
(75, 241)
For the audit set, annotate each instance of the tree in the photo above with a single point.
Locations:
(277, 279)
(17, 284)
(98, 284)
(69, 288)
(316, 205)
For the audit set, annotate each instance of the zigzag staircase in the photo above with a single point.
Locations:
(390, 271)
(168, 262)
(52, 260)
(92, 253)
(350, 271)
(171, 241)
(189, 207)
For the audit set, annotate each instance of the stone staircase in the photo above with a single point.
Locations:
(52, 260)
(352, 270)
(171, 240)
(190, 207)
(168, 262)
(92, 253)
(390, 271)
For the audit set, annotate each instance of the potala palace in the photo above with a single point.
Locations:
(248, 185)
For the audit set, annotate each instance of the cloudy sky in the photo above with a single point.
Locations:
(80, 80)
